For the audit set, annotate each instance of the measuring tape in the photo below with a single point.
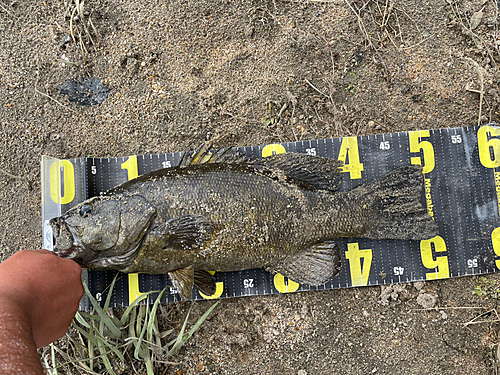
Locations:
(461, 192)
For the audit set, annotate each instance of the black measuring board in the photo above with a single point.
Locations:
(461, 192)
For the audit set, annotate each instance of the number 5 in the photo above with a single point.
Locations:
(427, 150)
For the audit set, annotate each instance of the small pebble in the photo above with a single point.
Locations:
(427, 301)
(419, 284)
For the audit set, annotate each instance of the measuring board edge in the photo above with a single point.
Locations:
(461, 190)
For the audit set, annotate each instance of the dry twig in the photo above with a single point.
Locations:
(51, 98)
(11, 175)
(479, 72)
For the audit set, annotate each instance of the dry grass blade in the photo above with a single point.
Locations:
(53, 355)
(361, 24)
(71, 25)
(316, 89)
(54, 100)
(11, 175)
(482, 315)
(479, 72)
(79, 8)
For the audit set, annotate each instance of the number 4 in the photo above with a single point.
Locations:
(349, 149)
(359, 273)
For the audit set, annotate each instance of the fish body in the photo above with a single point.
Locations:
(227, 213)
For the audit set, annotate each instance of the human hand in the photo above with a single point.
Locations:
(45, 288)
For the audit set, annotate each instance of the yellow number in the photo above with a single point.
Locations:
(440, 263)
(133, 278)
(349, 149)
(68, 181)
(284, 287)
(219, 288)
(485, 145)
(133, 287)
(359, 273)
(495, 240)
(131, 166)
(273, 149)
(427, 150)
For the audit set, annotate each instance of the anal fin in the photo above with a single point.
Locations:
(315, 266)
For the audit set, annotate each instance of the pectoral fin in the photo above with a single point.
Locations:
(183, 280)
(315, 266)
(185, 232)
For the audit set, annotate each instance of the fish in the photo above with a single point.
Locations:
(225, 211)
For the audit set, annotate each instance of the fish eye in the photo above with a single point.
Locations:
(85, 210)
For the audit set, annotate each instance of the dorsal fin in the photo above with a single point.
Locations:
(321, 173)
(309, 172)
(222, 155)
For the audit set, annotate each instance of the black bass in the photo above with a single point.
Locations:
(226, 212)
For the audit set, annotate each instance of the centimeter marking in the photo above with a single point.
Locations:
(460, 181)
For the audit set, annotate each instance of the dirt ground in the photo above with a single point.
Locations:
(253, 72)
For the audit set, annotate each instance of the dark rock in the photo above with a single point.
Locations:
(84, 91)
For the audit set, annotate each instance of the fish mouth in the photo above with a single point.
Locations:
(63, 238)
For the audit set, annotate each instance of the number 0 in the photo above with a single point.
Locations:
(68, 181)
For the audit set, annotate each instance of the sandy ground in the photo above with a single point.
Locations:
(241, 73)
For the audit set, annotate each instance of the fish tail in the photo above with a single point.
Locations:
(397, 199)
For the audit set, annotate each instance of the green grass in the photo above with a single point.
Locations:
(101, 343)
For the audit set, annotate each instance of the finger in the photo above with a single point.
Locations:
(72, 265)
(43, 251)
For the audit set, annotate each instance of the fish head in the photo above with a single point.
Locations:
(103, 232)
